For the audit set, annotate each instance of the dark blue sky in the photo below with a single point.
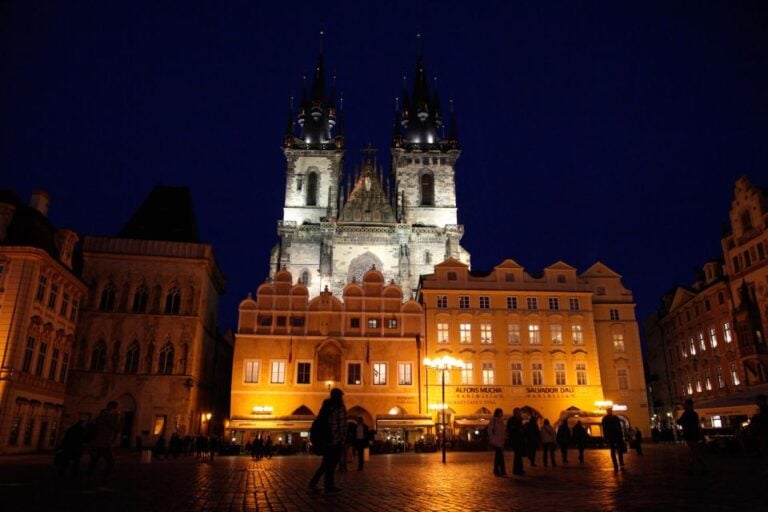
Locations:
(609, 131)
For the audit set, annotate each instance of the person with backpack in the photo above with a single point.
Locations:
(106, 426)
(328, 436)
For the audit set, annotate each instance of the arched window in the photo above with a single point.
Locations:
(140, 299)
(99, 356)
(107, 302)
(173, 301)
(132, 358)
(312, 189)
(165, 365)
(304, 278)
(427, 190)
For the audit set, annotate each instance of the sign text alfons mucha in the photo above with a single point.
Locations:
(477, 395)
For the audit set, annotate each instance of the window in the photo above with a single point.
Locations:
(312, 189)
(577, 333)
(277, 372)
(720, 378)
(735, 375)
(720, 298)
(42, 284)
(427, 190)
(465, 333)
(560, 374)
(560, 278)
(532, 302)
(404, 374)
(265, 321)
(727, 335)
(251, 371)
(464, 301)
(165, 363)
(513, 334)
(54, 364)
(442, 301)
(354, 374)
(708, 383)
(485, 334)
(511, 302)
(303, 373)
(64, 368)
(29, 352)
(509, 277)
(354, 323)
(554, 303)
(485, 302)
(707, 305)
(158, 428)
(698, 384)
(41, 359)
(466, 374)
(107, 302)
(600, 290)
(64, 304)
(73, 310)
(691, 346)
(614, 314)
(427, 257)
(99, 356)
(573, 304)
(618, 342)
(556, 333)
(13, 438)
(442, 332)
(622, 378)
(53, 296)
(537, 374)
(581, 374)
(689, 386)
(534, 335)
(373, 323)
(392, 323)
(299, 181)
(297, 321)
(489, 377)
(132, 358)
(379, 374)
(140, 299)
(452, 276)
(173, 301)
(28, 429)
(304, 279)
(517, 374)
(702, 345)
(712, 337)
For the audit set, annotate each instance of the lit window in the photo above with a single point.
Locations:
(735, 375)
(485, 334)
(727, 335)
(556, 333)
(488, 374)
(379, 374)
(304, 373)
(392, 323)
(465, 333)
(698, 384)
(618, 342)
(251, 371)
(560, 374)
(708, 383)
(532, 302)
(404, 374)
(691, 346)
(581, 374)
(517, 374)
(577, 332)
(689, 386)
(513, 334)
(534, 334)
(511, 302)
(442, 301)
(573, 304)
(442, 333)
(554, 303)
(354, 374)
(277, 372)
(720, 378)
(537, 373)
(702, 345)
(712, 337)
(464, 301)
(485, 302)
(614, 314)
(373, 323)
(622, 378)
(466, 374)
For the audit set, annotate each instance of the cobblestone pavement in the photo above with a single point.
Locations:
(657, 480)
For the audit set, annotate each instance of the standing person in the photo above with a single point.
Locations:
(515, 434)
(106, 426)
(548, 437)
(532, 438)
(496, 438)
(361, 442)
(72, 448)
(563, 438)
(579, 436)
(332, 433)
(689, 421)
(614, 436)
(638, 441)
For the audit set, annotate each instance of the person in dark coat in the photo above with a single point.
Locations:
(637, 441)
(563, 439)
(579, 436)
(516, 436)
(72, 448)
(614, 437)
(334, 414)
(107, 425)
(532, 439)
(689, 421)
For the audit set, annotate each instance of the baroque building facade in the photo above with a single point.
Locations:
(147, 337)
(707, 340)
(40, 296)
(335, 227)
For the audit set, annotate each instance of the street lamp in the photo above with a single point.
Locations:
(207, 417)
(443, 364)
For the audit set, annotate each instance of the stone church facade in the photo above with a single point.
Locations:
(335, 227)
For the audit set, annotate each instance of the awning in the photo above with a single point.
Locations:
(400, 422)
(270, 424)
(472, 422)
(726, 410)
(739, 403)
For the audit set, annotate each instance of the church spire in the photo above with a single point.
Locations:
(318, 116)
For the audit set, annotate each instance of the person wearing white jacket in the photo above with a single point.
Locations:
(548, 437)
(497, 434)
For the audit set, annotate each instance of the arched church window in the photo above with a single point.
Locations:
(140, 299)
(99, 356)
(173, 301)
(165, 366)
(107, 302)
(304, 278)
(427, 190)
(312, 189)
(132, 358)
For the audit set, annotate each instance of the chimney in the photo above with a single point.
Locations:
(40, 201)
(6, 216)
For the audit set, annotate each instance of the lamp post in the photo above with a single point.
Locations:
(443, 364)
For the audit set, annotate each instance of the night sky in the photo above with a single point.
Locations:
(590, 130)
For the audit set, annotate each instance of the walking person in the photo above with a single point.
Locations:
(563, 438)
(532, 439)
(579, 436)
(548, 437)
(496, 438)
(361, 442)
(329, 432)
(637, 441)
(689, 421)
(106, 427)
(515, 434)
(614, 436)
(72, 448)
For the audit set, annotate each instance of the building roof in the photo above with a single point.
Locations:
(28, 226)
(166, 214)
